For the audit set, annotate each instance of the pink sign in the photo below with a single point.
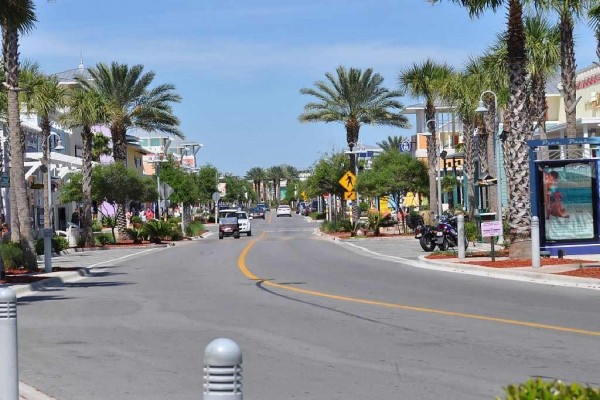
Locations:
(491, 228)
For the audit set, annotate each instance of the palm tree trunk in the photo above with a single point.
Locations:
(352, 131)
(469, 166)
(119, 144)
(567, 67)
(16, 140)
(515, 150)
(86, 169)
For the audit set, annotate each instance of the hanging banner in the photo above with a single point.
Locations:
(568, 201)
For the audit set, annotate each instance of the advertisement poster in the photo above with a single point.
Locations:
(568, 202)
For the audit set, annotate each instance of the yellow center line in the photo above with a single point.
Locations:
(248, 274)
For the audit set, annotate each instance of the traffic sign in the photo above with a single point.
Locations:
(405, 146)
(350, 195)
(166, 191)
(348, 181)
(216, 196)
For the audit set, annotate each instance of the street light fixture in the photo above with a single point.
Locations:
(48, 231)
(439, 178)
(482, 108)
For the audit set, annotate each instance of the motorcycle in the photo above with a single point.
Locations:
(426, 235)
(447, 233)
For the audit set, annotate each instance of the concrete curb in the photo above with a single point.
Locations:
(27, 392)
(547, 278)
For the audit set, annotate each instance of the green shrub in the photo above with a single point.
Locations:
(103, 239)
(12, 255)
(96, 226)
(136, 234)
(59, 243)
(194, 228)
(317, 215)
(556, 390)
(471, 231)
(136, 219)
(157, 230)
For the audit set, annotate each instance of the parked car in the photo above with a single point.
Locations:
(228, 226)
(257, 212)
(266, 207)
(300, 208)
(284, 209)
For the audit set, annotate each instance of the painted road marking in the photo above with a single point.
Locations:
(248, 274)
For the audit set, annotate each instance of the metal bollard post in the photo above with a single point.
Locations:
(47, 250)
(222, 370)
(461, 236)
(9, 368)
(535, 242)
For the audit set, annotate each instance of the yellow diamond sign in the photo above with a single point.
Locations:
(348, 181)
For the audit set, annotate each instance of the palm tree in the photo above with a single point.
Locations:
(100, 146)
(353, 97)
(257, 176)
(17, 16)
(131, 103)
(463, 93)
(290, 172)
(86, 108)
(276, 174)
(427, 80)
(43, 96)
(568, 11)
(515, 147)
(392, 143)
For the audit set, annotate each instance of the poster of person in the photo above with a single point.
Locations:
(568, 201)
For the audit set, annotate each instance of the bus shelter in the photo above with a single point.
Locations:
(564, 194)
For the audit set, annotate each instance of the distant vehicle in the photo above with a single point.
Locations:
(284, 209)
(266, 207)
(257, 212)
(300, 208)
(244, 223)
(228, 226)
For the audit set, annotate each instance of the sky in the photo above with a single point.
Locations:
(239, 65)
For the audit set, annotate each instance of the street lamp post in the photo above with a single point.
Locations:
(439, 178)
(48, 231)
(482, 108)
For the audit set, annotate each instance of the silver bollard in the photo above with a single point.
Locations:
(9, 367)
(461, 236)
(222, 370)
(47, 250)
(535, 242)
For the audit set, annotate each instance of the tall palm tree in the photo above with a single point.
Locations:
(43, 96)
(17, 16)
(515, 147)
(392, 143)
(257, 176)
(86, 108)
(463, 93)
(568, 11)
(290, 172)
(276, 174)
(353, 97)
(131, 103)
(426, 80)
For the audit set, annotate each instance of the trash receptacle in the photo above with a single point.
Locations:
(72, 234)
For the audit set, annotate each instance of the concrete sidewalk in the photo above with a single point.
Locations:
(396, 248)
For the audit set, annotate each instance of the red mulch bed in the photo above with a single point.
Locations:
(525, 263)
(593, 272)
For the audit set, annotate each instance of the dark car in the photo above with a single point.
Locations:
(228, 226)
(257, 212)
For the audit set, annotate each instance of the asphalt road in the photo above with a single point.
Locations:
(314, 321)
